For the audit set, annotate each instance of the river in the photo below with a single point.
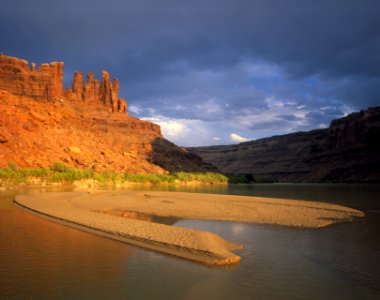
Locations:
(40, 259)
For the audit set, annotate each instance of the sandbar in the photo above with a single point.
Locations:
(95, 211)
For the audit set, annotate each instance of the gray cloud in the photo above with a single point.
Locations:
(219, 62)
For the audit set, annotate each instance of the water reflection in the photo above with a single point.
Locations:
(43, 260)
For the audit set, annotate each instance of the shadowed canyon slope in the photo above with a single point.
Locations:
(347, 151)
(85, 126)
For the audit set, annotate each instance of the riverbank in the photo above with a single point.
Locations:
(83, 209)
(60, 174)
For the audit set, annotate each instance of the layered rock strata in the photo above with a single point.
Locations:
(95, 92)
(44, 83)
(87, 126)
(347, 151)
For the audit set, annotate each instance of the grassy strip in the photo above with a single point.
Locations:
(173, 177)
(60, 173)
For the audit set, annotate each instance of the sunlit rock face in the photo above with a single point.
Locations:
(43, 83)
(41, 124)
(46, 83)
(347, 151)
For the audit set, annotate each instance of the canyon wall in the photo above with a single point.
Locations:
(347, 151)
(87, 126)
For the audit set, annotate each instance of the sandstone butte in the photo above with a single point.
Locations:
(86, 126)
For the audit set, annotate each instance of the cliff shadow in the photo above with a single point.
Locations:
(173, 158)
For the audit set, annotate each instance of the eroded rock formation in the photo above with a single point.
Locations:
(78, 87)
(94, 92)
(347, 151)
(39, 125)
(44, 83)
(91, 91)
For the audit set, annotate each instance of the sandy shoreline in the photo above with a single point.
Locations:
(81, 209)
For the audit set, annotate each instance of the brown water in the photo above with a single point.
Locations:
(43, 260)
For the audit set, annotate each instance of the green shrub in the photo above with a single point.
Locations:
(208, 177)
(107, 176)
(18, 175)
(35, 172)
(8, 173)
(183, 176)
(11, 165)
(58, 167)
(66, 174)
(179, 176)
(146, 178)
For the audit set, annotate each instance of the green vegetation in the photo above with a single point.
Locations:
(173, 177)
(146, 178)
(202, 177)
(14, 174)
(60, 173)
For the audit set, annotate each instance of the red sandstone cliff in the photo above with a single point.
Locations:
(44, 83)
(87, 126)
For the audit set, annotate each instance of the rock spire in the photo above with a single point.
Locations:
(46, 83)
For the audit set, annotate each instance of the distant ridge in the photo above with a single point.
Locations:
(347, 151)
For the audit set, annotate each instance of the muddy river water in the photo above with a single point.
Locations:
(40, 259)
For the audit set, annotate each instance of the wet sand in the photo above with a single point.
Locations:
(82, 210)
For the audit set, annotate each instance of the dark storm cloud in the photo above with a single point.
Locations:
(216, 61)
(306, 37)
